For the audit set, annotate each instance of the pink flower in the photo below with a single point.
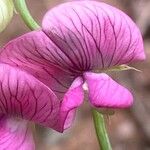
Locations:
(42, 73)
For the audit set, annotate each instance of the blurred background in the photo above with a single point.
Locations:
(128, 129)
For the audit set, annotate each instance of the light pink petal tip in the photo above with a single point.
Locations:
(15, 135)
(95, 32)
(105, 92)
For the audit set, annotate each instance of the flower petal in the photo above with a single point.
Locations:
(105, 92)
(23, 96)
(15, 135)
(36, 54)
(72, 99)
(94, 35)
(29, 53)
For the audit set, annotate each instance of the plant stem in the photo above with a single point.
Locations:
(22, 9)
(101, 132)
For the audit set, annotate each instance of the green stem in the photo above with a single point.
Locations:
(22, 9)
(101, 132)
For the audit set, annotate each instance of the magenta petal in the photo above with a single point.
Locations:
(15, 135)
(94, 34)
(105, 92)
(36, 54)
(72, 99)
(23, 96)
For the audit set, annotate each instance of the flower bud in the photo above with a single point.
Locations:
(6, 13)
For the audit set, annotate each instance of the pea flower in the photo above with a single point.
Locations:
(6, 13)
(42, 73)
